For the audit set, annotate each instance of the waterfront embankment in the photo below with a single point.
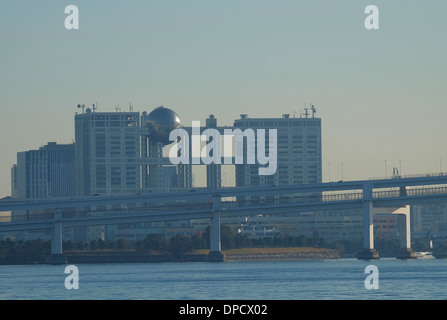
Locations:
(137, 256)
(296, 253)
(243, 254)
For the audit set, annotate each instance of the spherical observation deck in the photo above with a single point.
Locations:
(161, 121)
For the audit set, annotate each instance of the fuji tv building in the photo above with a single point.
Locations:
(118, 153)
(121, 153)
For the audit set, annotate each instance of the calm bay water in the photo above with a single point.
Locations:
(256, 280)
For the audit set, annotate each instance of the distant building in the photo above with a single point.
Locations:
(118, 152)
(169, 175)
(122, 153)
(299, 161)
(298, 151)
(429, 218)
(44, 173)
(385, 227)
(107, 153)
(48, 172)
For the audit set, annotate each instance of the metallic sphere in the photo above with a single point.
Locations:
(161, 122)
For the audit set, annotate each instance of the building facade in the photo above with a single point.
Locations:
(429, 218)
(299, 158)
(48, 172)
(44, 173)
(107, 153)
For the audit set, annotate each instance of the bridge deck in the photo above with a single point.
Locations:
(38, 214)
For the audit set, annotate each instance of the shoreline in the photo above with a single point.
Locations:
(317, 255)
(246, 254)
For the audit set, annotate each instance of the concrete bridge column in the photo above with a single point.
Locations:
(215, 232)
(368, 251)
(144, 167)
(406, 252)
(56, 256)
(215, 243)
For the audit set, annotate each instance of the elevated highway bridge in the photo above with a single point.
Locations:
(375, 196)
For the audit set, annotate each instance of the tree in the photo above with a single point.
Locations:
(242, 241)
(67, 245)
(198, 242)
(93, 245)
(23, 252)
(227, 237)
(153, 242)
(301, 241)
(179, 245)
(79, 245)
(322, 243)
(123, 244)
(101, 244)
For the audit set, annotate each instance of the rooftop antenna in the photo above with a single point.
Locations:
(306, 112)
(81, 106)
(396, 173)
(95, 106)
(117, 108)
(130, 107)
(313, 110)
(301, 114)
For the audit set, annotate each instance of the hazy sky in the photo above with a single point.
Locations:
(381, 94)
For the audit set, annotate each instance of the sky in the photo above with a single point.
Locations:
(381, 94)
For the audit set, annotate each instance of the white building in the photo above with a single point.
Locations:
(107, 153)
(44, 173)
(48, 172)
(298, 151)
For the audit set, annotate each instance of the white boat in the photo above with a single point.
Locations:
(424, 255)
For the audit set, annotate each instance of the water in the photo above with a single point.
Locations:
(256, 280)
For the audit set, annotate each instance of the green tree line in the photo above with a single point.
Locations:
(36, 251)
(24, 252)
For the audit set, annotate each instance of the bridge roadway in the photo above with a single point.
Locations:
(369, 195)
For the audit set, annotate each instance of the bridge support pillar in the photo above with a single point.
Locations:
(406, 252)
(368, 251)
(215, 254)
(56, 256)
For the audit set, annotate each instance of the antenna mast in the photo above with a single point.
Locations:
(81, 106)
(306, 112)
(313, 110)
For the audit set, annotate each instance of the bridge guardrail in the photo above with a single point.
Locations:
(259, 201)
(409, 192)
(421, 175)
